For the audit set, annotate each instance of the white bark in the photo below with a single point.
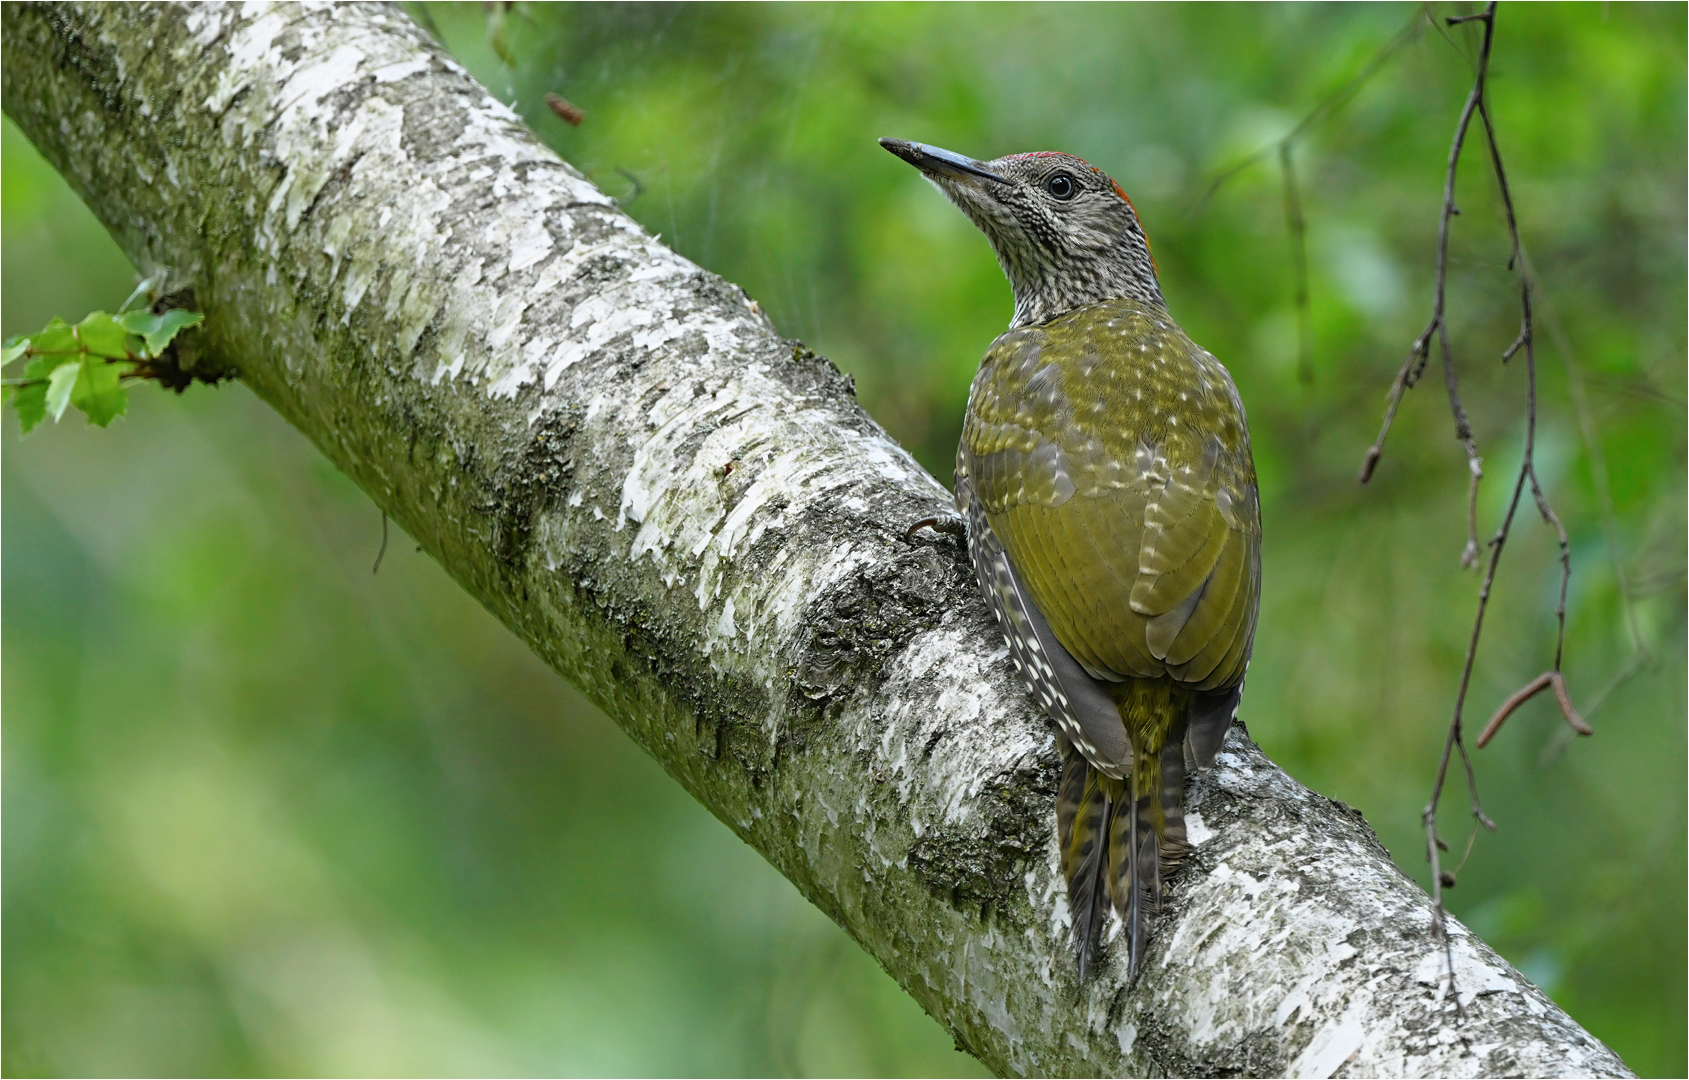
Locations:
(690, 519)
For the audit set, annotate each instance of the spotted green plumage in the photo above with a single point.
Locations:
(1105, 461)
(1111, 458)
(1112, 519)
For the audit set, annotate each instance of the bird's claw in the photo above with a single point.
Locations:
(946, 524)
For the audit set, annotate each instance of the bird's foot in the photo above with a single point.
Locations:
(947, 524)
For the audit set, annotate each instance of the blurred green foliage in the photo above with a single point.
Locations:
(265, 812)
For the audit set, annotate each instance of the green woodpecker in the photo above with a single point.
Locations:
(1109, 498)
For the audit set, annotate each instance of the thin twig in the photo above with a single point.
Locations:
(1419, 355)
(1597, 459)
(1526, 339)
(1297, 226)
(1548, 679)
(383, 552)
(1463, 431)
(1326, 107)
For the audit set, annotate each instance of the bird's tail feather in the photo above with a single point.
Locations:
(1174, 845)
(1118, 838)
(1087, 810)
(1134, 873)
(1108, 858)
(1147, 896)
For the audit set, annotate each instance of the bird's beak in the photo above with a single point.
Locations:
(940, 164)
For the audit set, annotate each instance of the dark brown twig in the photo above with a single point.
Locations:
(1597, 462)
(1463, 431)
(1525, 693)
(1419, 355)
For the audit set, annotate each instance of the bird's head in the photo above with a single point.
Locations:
(1065, 234)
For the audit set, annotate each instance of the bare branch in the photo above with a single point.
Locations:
(1524, 342)
(1597, 459)
(1420, 353)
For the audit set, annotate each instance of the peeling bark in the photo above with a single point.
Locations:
(691, 519)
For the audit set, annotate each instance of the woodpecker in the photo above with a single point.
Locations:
(1108, 495)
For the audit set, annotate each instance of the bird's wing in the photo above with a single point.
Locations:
(1111, 460)
(1080, 706)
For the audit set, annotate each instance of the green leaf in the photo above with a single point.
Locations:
(31, 403)
(140, 322)
(159, 330)
(56, 337)
(102, 335)
(99, 390)
(40, 367)
(14, 348)
(59, 385)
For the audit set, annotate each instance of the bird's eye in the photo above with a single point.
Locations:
(1061, 185)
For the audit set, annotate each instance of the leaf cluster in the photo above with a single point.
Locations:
(86, 364)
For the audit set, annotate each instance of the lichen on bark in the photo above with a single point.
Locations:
(692, 520)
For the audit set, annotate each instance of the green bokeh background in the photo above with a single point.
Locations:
(266, 812)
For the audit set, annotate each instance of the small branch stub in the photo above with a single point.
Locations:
(1547, 680)
(566, 110)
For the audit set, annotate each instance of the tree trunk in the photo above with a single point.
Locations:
(692, 520)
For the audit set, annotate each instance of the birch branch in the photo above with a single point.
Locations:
(691, 519)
